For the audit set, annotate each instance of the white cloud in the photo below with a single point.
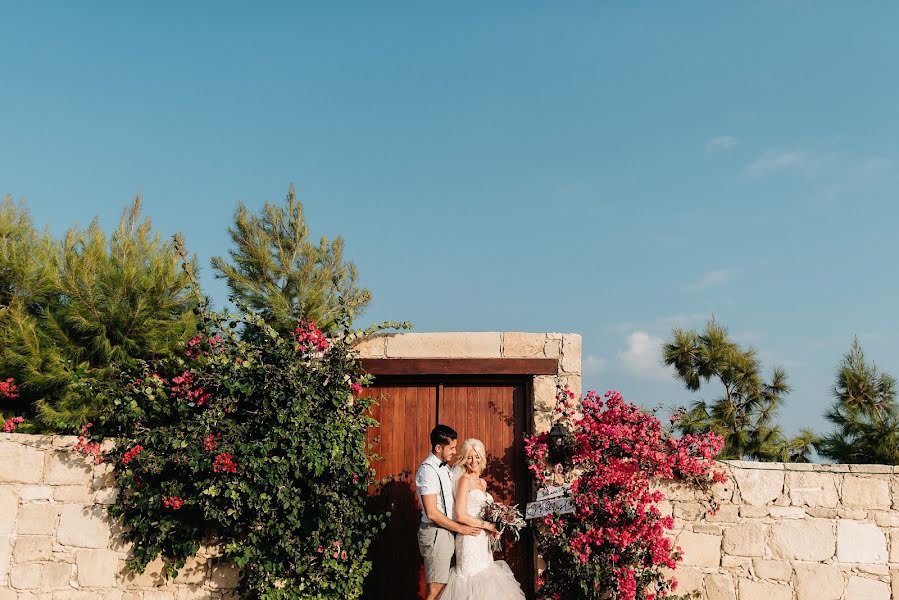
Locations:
(832, 178)
(710, 279)
(843, 179)
(776, 161)
(643, 356)
(724, 142)
(593, 364)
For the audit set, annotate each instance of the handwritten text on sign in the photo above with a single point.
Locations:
(553, 499)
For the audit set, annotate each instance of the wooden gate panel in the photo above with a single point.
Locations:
(407, 414)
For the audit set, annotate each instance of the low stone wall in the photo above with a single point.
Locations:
(784, 532)
(792, 532)
(57, 542)
(566, 347)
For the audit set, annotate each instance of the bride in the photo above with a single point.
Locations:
(476, 575)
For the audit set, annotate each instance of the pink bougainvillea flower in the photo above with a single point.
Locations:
(209, 442)
(310, 337)
(173, 502)
(92, 448)
(223, 463)
(130, 454)
(10, 425)
(8, 389)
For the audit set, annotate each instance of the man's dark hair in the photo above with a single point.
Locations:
(442, 435)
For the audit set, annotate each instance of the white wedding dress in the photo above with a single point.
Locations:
(476, 575)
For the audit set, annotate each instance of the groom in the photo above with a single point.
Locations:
(434, 483)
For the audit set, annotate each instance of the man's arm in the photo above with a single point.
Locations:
(441, 520)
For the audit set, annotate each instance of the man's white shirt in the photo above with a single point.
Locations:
(432, 478)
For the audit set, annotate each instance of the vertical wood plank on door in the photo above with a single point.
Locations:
(396, 570)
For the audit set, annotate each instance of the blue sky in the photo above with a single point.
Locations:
(609, 169)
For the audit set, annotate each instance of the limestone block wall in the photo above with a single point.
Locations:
(57, 542)
(566, 347)
(792, 532)
(784, 532)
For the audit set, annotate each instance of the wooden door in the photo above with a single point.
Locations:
(495, 412)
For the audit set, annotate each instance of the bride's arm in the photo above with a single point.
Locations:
(461, 502)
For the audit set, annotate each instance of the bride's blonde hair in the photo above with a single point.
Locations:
(481, 452)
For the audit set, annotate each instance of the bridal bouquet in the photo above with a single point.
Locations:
(505, 518)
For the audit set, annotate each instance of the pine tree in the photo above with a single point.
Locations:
(745, 415)
(26, 293)
(277, 272)
(865, 414)
(104, 301)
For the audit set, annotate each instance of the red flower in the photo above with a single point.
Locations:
(355, 478)
(173, 502)
(209, 443)
(10, 425)
(224, 464)
(8, 389)
(356, 388)
(92, 448)
(309, 336)
(129, 456)
(183, 387)
(191, 352)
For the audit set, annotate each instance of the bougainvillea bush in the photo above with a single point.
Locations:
(9, 391)
(255, 443)
(613, 545)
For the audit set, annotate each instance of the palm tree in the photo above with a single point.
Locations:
(745, 414)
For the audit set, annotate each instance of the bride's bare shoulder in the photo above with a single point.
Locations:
(473, 481)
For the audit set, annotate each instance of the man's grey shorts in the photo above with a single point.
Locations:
(437, 546)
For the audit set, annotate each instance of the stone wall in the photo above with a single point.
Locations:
(784, 532)
(57, 543)
(566, 347)
(792, 532)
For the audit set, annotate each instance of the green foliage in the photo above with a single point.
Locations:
(864, 414)
(745, 414)
(26, 290)
(25, 270)
(279, 273)
(74, 308)
(292, 514)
